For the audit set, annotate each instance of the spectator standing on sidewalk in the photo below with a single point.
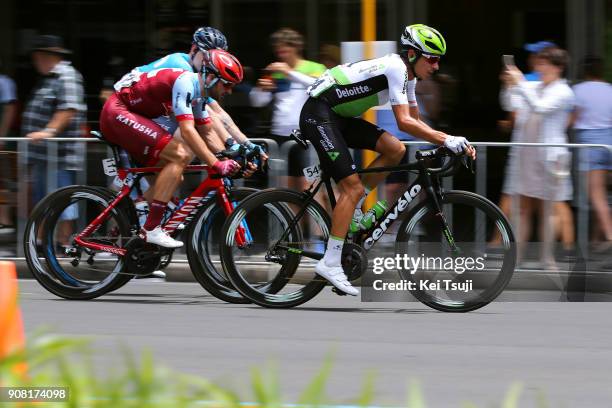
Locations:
(284, 85)
(8, 110)
(506, 126)
(542, 115)
(593, 125)
(56, 109)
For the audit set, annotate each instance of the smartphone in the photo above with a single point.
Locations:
(508, 60)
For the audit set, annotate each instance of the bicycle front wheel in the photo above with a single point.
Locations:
(467, 275)
(203, 248)
(276, 267)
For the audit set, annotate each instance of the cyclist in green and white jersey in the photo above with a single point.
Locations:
(329, 119)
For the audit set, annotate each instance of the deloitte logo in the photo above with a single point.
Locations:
(356, 90)
(333, 155)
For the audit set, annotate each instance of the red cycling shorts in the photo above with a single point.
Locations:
(141, 137)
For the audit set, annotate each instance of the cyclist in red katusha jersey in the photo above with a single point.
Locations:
(225, 131)
(127, 120)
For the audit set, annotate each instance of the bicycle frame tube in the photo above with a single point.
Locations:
(298, 216)
(183, 215)
(97, 222)
(423, 183)
(393, 213)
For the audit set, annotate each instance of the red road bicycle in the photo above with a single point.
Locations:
(82, 241)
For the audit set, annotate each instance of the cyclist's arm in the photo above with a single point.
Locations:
(414, 126)
(189, 116)
(195, 140)
(224, 127)
(223, 121)
(414, 113)
(213, 140)
(403, 102)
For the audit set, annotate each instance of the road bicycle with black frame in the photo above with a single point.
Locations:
(445, 229)
(106, 251)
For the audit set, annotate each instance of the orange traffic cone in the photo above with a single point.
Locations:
(12, 337)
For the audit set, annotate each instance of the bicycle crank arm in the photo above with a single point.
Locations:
(307, 254)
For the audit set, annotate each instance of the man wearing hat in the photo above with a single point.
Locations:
(56, 109)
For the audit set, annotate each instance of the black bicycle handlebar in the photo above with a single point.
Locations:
(449, 168)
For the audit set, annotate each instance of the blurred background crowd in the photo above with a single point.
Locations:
(60, 58)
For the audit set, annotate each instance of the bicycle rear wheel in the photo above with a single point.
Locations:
(61, 266)
(271, 270)
(457, 281)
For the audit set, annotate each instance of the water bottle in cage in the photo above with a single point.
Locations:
(142, 210)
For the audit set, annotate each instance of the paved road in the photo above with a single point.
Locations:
(564, 349)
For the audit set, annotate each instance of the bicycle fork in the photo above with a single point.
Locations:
(243, 234)
(435, 192)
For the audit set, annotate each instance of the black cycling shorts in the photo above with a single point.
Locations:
(332, 135)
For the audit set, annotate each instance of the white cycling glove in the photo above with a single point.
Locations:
(456, 144)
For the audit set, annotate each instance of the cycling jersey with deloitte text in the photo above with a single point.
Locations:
(164, 92)
(351, 89)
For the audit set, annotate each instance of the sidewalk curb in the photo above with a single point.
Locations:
(523, 279)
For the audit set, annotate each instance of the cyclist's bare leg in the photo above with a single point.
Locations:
(351, 190)
(391, 152)
(174, 158)
(330, 267)
(213, 142)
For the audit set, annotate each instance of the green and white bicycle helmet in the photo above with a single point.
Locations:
(423, 39)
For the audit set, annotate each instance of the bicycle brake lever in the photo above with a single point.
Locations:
(468, 163)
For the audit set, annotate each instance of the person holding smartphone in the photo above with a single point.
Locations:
(540, 176)
(283, 83)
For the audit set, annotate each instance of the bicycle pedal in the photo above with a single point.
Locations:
(338, 292)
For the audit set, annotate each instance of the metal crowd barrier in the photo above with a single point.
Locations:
(279, 167)
(23, 204)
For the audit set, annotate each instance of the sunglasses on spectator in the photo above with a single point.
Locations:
(431, 59)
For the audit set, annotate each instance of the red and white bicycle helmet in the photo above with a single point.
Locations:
(224, 66)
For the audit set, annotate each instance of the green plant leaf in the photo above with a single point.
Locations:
(512, 396)
(415, 396)
(314, 394)
(366, 396)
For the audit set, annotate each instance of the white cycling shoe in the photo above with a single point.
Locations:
(335, 275)
(159, 237)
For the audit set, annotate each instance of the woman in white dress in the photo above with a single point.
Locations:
(541, 175)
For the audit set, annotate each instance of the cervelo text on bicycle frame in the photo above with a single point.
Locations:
(391, 215)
